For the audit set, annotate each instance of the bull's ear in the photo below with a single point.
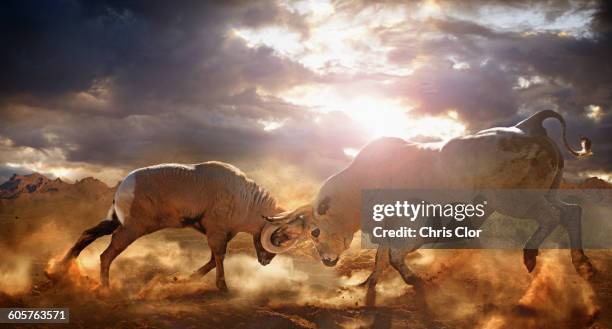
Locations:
(324, 205)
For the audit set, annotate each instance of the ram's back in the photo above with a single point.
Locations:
(174, 194)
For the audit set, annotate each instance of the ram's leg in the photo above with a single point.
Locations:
(548, 217)
(379, 265)
(88, 236)
(571, 220)
(218, 246)
(202, 271)
(121, 239)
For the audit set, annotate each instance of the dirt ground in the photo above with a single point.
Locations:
(151, 288)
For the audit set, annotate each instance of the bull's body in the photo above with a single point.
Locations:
(519, 157)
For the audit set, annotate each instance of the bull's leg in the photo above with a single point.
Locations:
(548, 217)
(365, 282)
(571, 220)
(397, 260)
(88, 236)
(121, 239)
(379, 265)
(202, 271)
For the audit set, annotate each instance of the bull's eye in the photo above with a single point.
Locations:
(315, 232)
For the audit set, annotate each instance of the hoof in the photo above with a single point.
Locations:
(103, 291)
(585, 269)
(222, 287)
(57, 272)
(529, 259)
(413, 280)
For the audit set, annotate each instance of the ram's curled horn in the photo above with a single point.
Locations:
(276, 218)
(267, 242)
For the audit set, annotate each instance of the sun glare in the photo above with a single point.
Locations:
(271, 125)
(351, 152)
(376, 115)
(594, 112)
(430, 8)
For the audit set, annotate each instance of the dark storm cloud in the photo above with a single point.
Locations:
(572, 72)
(61, 46)
(133, 83)
(127, 83)
(576, 70)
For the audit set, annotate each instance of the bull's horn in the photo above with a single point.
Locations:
(266, 239)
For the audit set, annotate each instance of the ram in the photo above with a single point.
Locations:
(215, 198)
(518, 157)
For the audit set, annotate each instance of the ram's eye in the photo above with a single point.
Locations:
(315, 232)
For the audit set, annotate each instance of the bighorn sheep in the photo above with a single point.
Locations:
(215, 198)
(522, 156)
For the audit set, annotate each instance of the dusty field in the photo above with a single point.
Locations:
(465, 289)
(151, 287)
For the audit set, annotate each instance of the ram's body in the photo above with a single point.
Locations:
(214, 198)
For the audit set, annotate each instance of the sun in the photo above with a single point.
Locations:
(430, 8)
(378, 116)
(382, 118)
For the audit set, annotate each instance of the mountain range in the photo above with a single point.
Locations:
(37, 185)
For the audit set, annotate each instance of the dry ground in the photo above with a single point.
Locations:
(465, 289)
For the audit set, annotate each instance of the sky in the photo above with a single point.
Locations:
(286, 88)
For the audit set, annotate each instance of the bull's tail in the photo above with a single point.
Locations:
(533, 125)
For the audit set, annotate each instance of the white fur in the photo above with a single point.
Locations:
(109, 214)
(124, 197)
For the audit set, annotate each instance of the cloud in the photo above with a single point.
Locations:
(109, 86)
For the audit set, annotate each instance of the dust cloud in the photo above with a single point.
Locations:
(151, 283)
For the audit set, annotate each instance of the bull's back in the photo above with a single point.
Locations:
(394, 163)
(500, 158)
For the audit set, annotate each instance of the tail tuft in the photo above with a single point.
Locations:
(585, 142)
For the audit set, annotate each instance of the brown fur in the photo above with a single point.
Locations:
(214, 198)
